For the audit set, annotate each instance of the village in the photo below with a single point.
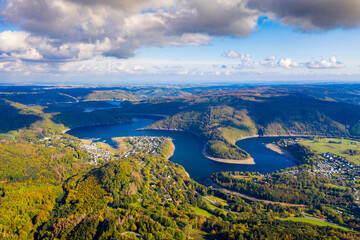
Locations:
(144, 144)
(96, 153)
(134, 145)
(335, 167)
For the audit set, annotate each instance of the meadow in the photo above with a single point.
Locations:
(336, 146)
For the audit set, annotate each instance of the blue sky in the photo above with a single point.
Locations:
(75, 42)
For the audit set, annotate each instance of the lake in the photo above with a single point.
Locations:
(189, 147)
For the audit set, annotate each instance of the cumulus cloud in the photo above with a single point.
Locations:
(80, 29)
(332, 62)
(245, 62)
(245, 59)
(269, 62)
(312, 14)
(23, 67)
(287, 63)
(232, 54)
(70, 31)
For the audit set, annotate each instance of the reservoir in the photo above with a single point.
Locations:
(188, 149)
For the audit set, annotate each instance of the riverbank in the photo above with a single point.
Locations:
(279, 150)
(135, 116)
(172, 150)
(65, 130)
(96, 124)
(247, 161)
(275, 135)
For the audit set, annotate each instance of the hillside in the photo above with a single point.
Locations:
(99, 117)
(222, 119)
(13, 118)
(50, 188)
(40, 95)
(143, 196)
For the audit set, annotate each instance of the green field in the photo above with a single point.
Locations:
(201, 212)
(315, 222)
(219, 201)
(335, 146)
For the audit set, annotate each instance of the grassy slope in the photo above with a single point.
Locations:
(201, 212)
(322, 145)
(315, 222)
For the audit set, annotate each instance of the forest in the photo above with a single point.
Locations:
(49, 189)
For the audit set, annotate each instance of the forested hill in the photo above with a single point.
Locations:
(223, 118)
(218, 116)
(50, 188)
(146, 197)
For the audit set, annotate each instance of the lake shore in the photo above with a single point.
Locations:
(172, 150)
(279, 150)
(136, 115)
(247, 161)
(275, 135)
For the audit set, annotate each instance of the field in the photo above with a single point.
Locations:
(335, 146)
(218, 201)
(315, 222)
(201, 212)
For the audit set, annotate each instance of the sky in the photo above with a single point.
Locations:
(179, 41)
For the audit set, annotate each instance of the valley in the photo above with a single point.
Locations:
(124, 173)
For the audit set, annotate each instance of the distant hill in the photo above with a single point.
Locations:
(12, 118)
(223, 118)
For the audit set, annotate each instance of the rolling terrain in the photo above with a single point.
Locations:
(50, 188)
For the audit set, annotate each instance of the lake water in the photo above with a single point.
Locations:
(189, 147)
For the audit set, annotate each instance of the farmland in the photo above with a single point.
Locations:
(336, 146)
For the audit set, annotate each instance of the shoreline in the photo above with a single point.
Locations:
(247, 161)
(276, 135)
(114, 123)
(93, 125)
(172, 150)
(279, 150)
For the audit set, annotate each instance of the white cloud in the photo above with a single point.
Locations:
(73, 30)
(13, 41)
(67, 33)
(332, 62)
(22, 67)
(138, 68)
(287, 63)
(269, 62)
(232, 54)
(245, 59)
